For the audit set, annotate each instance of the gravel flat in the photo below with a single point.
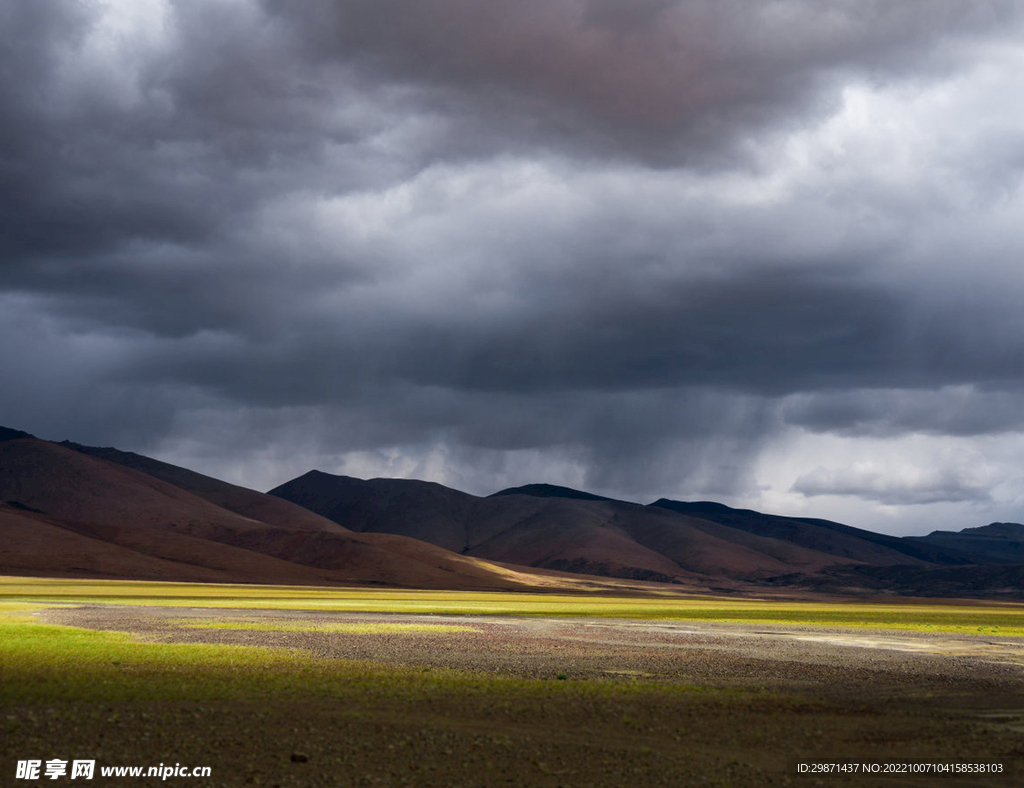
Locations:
(715, 653)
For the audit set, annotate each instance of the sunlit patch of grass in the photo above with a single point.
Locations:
(42, 662)
(991, 620)
(8, 607)
(353, 628)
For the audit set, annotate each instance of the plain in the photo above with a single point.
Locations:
(437, 698)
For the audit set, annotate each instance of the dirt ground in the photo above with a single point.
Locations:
(796, 694)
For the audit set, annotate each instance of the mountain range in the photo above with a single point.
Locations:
(73, 510)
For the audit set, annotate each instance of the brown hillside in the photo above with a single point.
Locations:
(240, 500)
(565, 531)
(64, 506)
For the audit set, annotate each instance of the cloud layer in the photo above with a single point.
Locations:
(651, 248)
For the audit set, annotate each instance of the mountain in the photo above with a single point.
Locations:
(550, 491)
(421, 510)
(559, 528)
(71, 510)
(552, 527)
(998, 543)
(843, 541)
(988, 581)
(240, 500)
(7, 434)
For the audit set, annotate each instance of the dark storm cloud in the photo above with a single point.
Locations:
(657, 437)
(84, 168)
(767, 333)
(597, 323)
(662, 81)
(590, 229)
(111, 142)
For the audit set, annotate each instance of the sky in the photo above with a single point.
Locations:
(766, 253)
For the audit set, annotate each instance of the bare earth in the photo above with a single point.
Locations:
(797, 693)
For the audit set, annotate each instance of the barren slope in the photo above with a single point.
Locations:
(63, 504)
(999, 543)
(555, 528)
(848, 544)
(240, 500)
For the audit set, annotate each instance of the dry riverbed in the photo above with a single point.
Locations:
(765, 695)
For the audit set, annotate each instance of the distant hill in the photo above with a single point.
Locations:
(72, 510)
(988, 581)
(842, 541)
(550, 491)
(7, 434)
(240, 500)
(421, 510)
(541, 525)
(999, 543)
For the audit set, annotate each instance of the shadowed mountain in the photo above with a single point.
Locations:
(560, 528)
(843, 541)
(421, 510)
(37, 544)
(240, 500)
(989, 581)
(7, 434)
(70, 511)
(550, 491)
(998, 543)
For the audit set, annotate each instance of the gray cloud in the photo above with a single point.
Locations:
(962, 411)
(941, 486)
(666, 82)
(629, 244)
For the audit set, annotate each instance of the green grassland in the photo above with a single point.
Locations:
(989, 619)
(258, 714)
(46, 663)
(36, 658)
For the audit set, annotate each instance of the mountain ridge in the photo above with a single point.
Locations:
(552, 491)
(543, 525)
(74, 514)
(108, 511)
